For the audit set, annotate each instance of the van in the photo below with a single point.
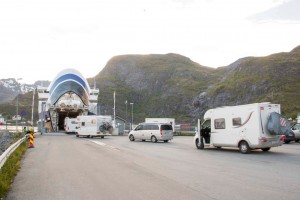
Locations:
(152, 131)
(246, 127)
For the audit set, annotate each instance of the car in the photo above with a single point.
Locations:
(289, 137)
(296, 130)
(152, 131)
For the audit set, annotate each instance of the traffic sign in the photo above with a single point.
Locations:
(23, 113)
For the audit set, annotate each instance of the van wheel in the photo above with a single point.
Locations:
(166, 140)
(297, 140)
(266, 149)
(102, 136)
(77, 135)
(131, 138)
(244, 147)
(199, 145)
(143, 140)
(153, 139)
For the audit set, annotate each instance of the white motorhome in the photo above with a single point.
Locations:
(70, 125)
(243, 126)
(94, 126)
(162, 120)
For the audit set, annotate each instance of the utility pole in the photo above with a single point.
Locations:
(17, 112)
(131, 114)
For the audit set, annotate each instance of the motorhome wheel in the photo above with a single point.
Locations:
(199, 145)
(244, 147)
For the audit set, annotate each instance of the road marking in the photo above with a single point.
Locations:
(104, 145)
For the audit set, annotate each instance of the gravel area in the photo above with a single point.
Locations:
(6, 138)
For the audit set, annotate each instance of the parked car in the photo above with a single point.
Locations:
(296, 130)
(289, 137)
(152, 131)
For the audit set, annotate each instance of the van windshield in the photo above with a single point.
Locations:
(166, 127)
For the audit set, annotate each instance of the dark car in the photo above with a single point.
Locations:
(290, 136)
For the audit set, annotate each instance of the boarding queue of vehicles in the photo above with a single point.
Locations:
(246, 127)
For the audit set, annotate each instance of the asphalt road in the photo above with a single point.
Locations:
(65, 167)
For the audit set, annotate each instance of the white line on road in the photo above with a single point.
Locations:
(104, 145)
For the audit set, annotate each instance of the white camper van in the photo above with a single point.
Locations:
(70, 125)
(243, 126)
(94, 126)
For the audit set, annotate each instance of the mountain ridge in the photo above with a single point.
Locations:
(172, 85)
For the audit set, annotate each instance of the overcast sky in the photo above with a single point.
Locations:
(39, 38)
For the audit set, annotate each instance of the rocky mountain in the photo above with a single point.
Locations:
(172, 85)
(9, 88)
(158, 85)
(274, 78)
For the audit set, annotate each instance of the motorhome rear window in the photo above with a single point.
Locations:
(219, 123)
(236, 121)
(166, 127)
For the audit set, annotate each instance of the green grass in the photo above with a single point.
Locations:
(10, 169)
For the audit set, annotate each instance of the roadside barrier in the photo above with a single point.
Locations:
(10, 150)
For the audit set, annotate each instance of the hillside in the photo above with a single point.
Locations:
(172, 85)
(158, 85)
(273, 78)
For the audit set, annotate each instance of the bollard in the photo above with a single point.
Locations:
(31, 140)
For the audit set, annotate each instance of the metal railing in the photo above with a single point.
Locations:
(10, 150)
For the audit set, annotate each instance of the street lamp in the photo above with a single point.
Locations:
(17, 106)
(131, 114)
(126, 112)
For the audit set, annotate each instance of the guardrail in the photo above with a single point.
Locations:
(10, 150)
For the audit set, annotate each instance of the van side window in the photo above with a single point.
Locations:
(147, 127)
(154, 127)
(219, 123)
(237, 121)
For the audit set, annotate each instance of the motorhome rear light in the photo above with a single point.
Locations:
(98, 132)
(282, 138)
(263, 139)
(261, 108)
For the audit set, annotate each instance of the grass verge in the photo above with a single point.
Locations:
(10, 169)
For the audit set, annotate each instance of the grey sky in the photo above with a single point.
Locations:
(39, 38)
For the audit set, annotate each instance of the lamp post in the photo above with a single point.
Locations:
(32, 107)
(126, 113)
(131, 114)
(17, 112)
